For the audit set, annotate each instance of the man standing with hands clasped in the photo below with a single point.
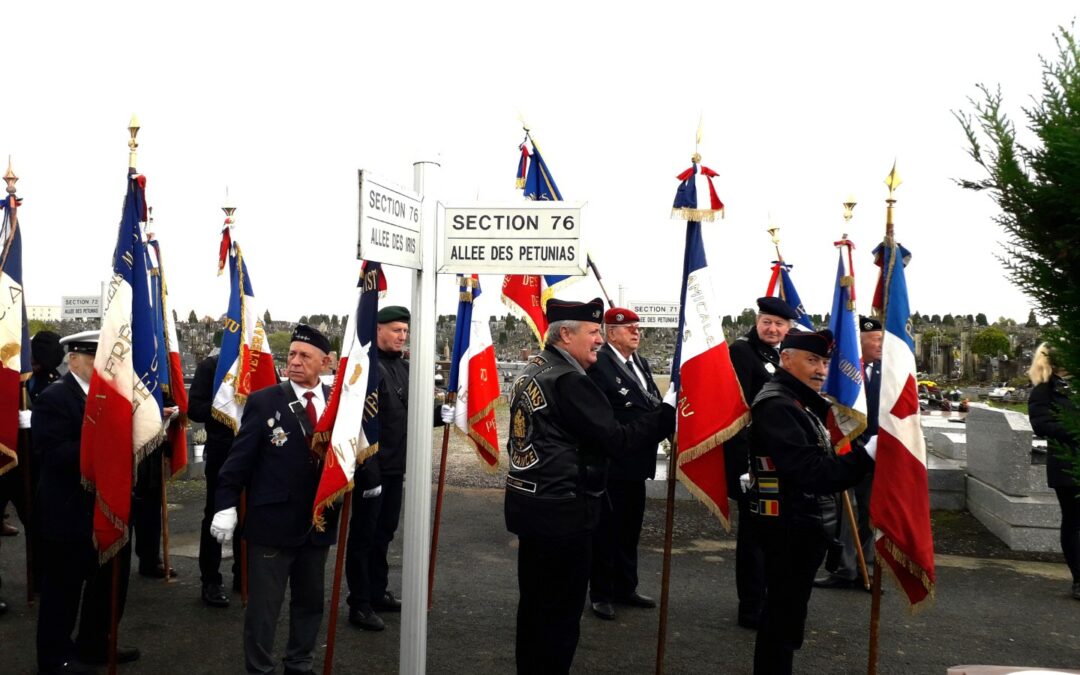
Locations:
(626, 379)
(271, 458)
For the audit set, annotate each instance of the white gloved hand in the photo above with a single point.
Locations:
(373, 492)
(871, 447)
(744, 482)
(672, 396)
(24, 418)
(447, 414)
(223, 525)
(170, 413)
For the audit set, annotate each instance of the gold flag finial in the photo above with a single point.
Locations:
(893, 179)
(228, 208)
(697, 137)
(133, 145)
(849, 206)
(774, 234)
(10, 178)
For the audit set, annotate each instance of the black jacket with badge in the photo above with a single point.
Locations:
(562, 428)
(1044, 403)
(754, 363)
(63, 510)
(795, 473)
(629, 401)
(271, 458)
(219, 436)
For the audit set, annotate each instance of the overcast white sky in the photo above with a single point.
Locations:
(803, 103)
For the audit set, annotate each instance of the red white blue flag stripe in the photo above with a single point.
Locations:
(172, 374)
(14, 335)
(474, 378)
(844, 383)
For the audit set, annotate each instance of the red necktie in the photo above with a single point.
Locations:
(309, 395)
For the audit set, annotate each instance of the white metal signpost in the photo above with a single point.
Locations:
(656, 314)
(390, 223)
(534, 238)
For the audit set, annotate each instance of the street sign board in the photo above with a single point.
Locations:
(390, 218)
(656, 314)
(80, 307)
(518, 238)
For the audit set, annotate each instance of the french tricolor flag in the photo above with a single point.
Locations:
(172, 376)
(123, 419)
(844, 383)
(14, 335)
(711, 408)
(350, 423)
(474, 378)
(246, 363)
(900, 501)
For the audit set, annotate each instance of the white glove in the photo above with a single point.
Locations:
(744, 482)
(223, 525)
(672, 396)
(447, 414)
(171, 413)
(871, 447)
(24, 418)
(373, 492)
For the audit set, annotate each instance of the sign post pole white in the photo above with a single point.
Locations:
(417, 528)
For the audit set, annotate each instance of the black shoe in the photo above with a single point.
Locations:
(833, 581)
(156, 571)
(1076, 591)
(604, 610)
(72, 666)
(213, 596)
(8, 530)
(123, 655)
(749, 621)
(366, 619)
(3, 605)
(387, 603)
(294, 671)
(636, 599)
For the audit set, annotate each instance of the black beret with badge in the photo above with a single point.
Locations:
(868, 324)
(569, 310)
(776, 307)
(820, 343)
(393, 313)
(305, 333)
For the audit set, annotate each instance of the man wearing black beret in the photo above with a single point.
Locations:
(847, 574)
(271, 458)
(562, 428)
(755, 357)
(794, 479)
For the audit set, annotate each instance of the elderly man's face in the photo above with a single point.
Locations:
(304, 364)
(392, 336)
(624, 338)
(807, 367)
(582, 343)
(772, 329)
(81, 364)
(871, 345)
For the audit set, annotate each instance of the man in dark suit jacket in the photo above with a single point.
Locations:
(756, 357)
(64, 514)
(272, 459)
(626, 379)
(846, 573)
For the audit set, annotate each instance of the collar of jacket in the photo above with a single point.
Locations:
(390, 356)
(768, 353)
(812, 400)
(562, 353)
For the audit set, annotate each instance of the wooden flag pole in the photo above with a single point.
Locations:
(855, 534)
(438, 509)
(165, 518)
(339, 564)
(669, 526)
(875, 619)
(243, 552)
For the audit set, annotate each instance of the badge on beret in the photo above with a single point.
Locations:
(620, 316)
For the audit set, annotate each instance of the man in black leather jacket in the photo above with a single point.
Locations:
(795, 477)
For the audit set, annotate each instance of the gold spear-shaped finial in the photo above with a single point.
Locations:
(892, 181)
(228, 208)
(133, 129)
(774, 234)
(849, 207)
(10, 178)
(697, 138)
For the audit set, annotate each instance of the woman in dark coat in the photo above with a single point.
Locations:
(1049, 396)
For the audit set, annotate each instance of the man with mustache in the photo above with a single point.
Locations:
(794, 479)
(562, 428)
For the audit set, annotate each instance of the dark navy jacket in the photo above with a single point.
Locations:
(63, 508)
(270, 457)
(628, 401)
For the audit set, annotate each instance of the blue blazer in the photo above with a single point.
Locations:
(63, 508)
(270, 458)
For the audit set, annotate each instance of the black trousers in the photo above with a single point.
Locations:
(13, 489)
(70, 572)
(615, 542)
(371, 529)
(552, 576)
(749, 561)
(209, 548)
(792, 556)
(146, 511)
(1070, 528)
